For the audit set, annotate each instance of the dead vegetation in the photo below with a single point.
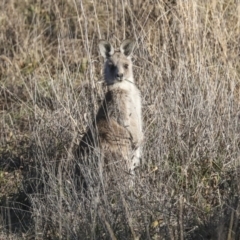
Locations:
(186, 64)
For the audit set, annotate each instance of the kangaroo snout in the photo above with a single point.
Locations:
(120, 76)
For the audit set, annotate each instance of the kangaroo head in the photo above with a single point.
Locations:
(118, 64)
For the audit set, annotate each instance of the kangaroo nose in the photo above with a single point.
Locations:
(120, 76)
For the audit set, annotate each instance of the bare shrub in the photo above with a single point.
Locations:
(186, 64)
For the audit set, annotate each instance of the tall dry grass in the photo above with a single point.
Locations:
(186, 64)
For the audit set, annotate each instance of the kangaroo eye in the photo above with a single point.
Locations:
(111, 66)
(126, 66)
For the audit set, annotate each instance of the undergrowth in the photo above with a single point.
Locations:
(186, 65)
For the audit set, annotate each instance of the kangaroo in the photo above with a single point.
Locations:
(116, 132)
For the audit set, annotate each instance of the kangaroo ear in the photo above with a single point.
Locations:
(127, 47)
(106, 49)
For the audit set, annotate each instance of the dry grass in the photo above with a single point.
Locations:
(188, 70)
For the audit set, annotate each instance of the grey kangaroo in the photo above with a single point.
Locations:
(116, 133)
